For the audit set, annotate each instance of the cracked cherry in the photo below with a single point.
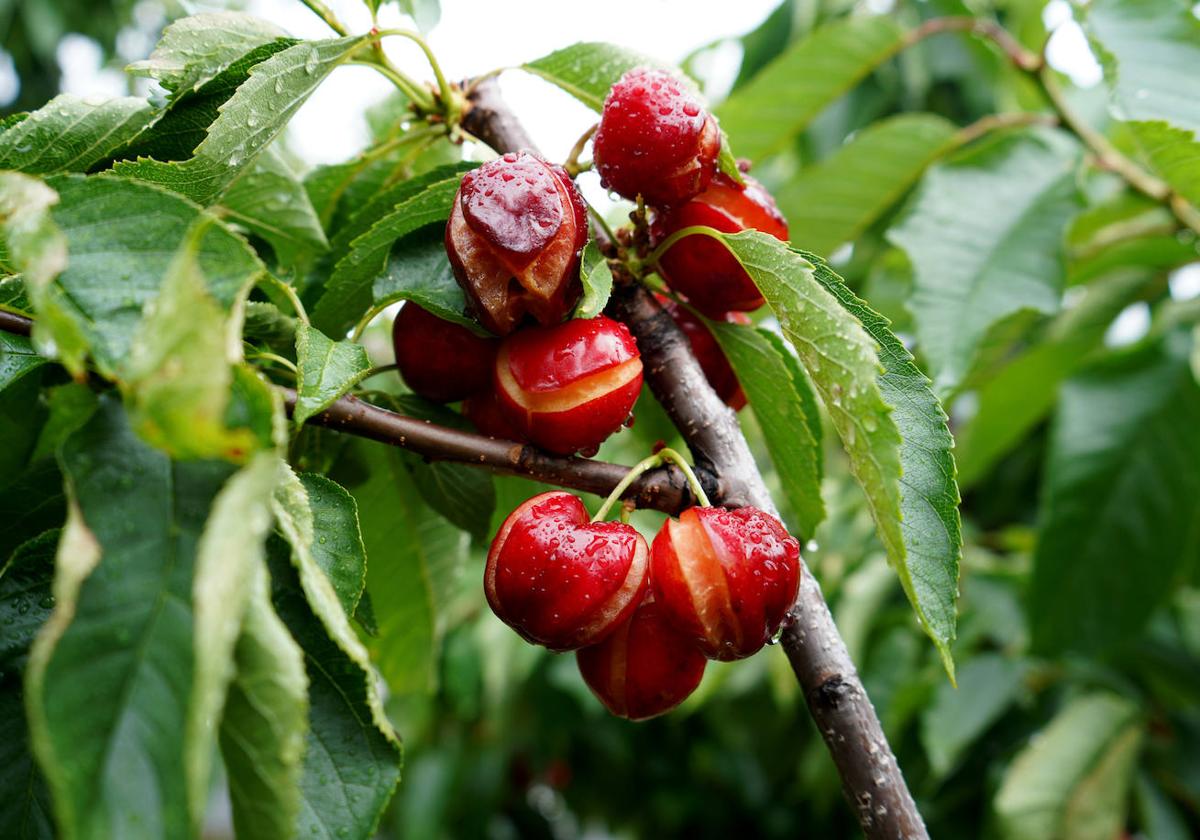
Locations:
(560, 580)
(440, 360)
(516, 230)
(708, 352)
(484, 412)
(570, 386)
(726, 578)
(655, 139)
(644, 667)
(701, 267)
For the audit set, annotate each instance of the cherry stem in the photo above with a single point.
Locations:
(290, 294)
(451, 108)
(665, 455)
(669, 242)
(572, 164)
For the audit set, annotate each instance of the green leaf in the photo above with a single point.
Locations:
(890, 423)
(988, 685)
(327, 369)
(784, 97)
(1174, 154)
(185, 122)
(588, 69)
(30, 503)
(270, 201)
(17, 358)
(1115, 492)
(25, 604)
(25, 599)
(1072, 782)
(249, 120)
(1150, 50)
(417, 270)
(124, 625)
(424, 13)
(265, 721)
(1017, 396)
(415, 556)
(195, 49)
(26, 808)
(126, 235)
(349, 293)
(930, 527)
(13, 297)
(984, 234)
(352, 759)
(786, 409)
(597, 282)
(38, 249)
(835, 200)
(464, 495)
(71, 133)
(179, 372)
(337, 545)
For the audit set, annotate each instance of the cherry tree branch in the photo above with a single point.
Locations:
(871, 777)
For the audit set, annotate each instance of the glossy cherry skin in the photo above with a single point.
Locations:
(701, 267)
(644, 667)
(655, 139)
(570, 386)
(441, 361)
(560, 580)
(709, 354)
(516, 230)
(484, 412)
(726, 578)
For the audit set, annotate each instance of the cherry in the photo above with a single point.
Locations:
(726, 578)
(569, 386)
(655, 138)
(644, 667)
(484, 412)
(701, 267)
(560, 580)
(516, 230)
(441, 361)
(708, 352)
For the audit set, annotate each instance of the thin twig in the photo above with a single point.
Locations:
(326, 14)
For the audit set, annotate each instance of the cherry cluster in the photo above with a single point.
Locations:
(716, 583)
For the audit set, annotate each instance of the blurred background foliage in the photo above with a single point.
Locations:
(1059, 727)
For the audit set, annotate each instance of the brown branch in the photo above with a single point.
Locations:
(13, 323)
(662, 489)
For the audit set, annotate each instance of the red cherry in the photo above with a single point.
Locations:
(516, 230)
(441, 361)
(560, 580)
(655, 138)
(708, 352)
(484, 412)
(645, 667)
(701, 267)
(570, 386)
(725, 577)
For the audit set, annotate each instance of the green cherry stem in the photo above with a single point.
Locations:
(694, 230)
(645, 465)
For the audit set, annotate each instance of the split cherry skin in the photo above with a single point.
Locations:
(644, 667)
(725, 578)
(559, 579)
(439, 360)
(701, 267)
(568, 387)
(655, 139)
(516, 230)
